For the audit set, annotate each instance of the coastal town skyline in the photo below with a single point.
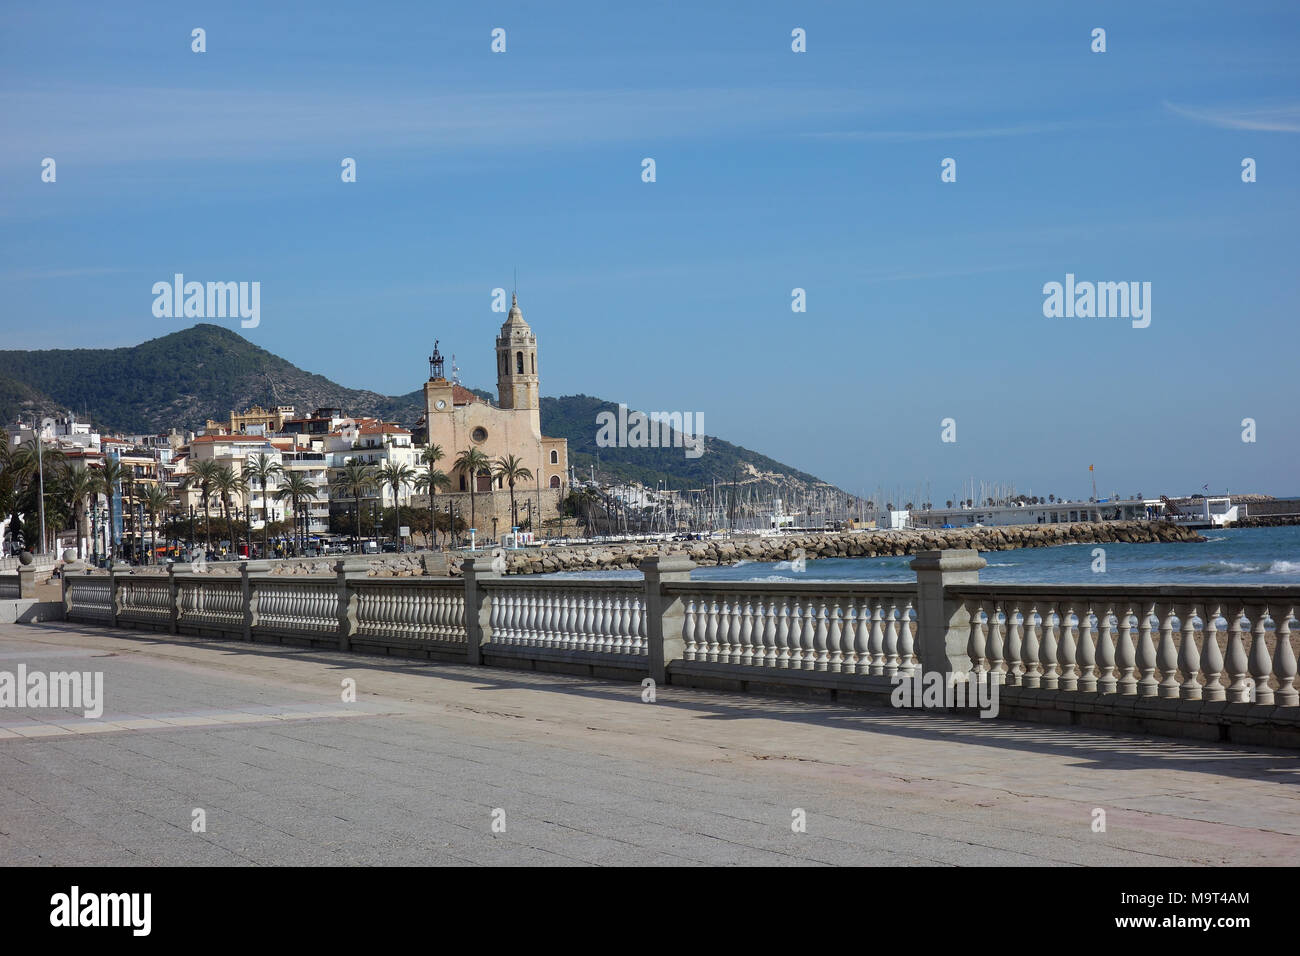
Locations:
(783, 178)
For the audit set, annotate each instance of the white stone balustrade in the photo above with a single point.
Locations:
(604, 619)
(303, 605)
(1177, 653)
(846, 629)
(411, 612)
(1190, 644)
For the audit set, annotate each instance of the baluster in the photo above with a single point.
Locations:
(862, 636)
(783, 634)
(877, 641)
(613, 640)
(711, 631)
(1070, 654)
(809, 643)
(550, 617)
(724, 632)
(1167, 654)
(1211, 658)
(1015, 643)
(764, 634)
(796, 634)
(1051, 674)
(839, 656)
(747, 634)
(733, 632)
(1261, 663)
(1104, 679)
(628, 623)
(821, 636)
(1032, 676)
(564, 620)
(688, 630)
(1189, 658)
(995, 643)
(598, 625)
(977, 643)
(907, 664)
(1148, 686)
(1126, 656)
(1284, 662)
(891, 640)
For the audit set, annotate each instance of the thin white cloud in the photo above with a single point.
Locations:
(25, 275)
(140, 124)
(908, 136)
(1270, 119)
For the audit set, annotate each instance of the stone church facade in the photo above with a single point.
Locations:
(457, 419)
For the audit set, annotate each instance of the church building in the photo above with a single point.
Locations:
(457, 419)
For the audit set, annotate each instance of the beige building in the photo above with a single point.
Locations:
(255, 420)
(457, 419)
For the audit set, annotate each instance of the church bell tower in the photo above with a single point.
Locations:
(517, 362)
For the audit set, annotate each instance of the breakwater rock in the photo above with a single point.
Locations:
(840, 544)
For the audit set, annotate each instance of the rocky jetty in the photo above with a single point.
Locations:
(842, 544)
(837, 544)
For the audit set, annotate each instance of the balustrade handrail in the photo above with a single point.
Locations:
(845, 588)
(590, 584)
(1250, 593)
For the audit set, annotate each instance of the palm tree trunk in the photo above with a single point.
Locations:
(266, 523)
(207, 518)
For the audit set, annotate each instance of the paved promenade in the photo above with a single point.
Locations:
(288, 773)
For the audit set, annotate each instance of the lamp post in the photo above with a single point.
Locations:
(40, 473)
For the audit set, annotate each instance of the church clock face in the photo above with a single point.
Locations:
(440, 405)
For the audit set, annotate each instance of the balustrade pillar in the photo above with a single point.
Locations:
(478, 607)
(664, 614)
(943, 625)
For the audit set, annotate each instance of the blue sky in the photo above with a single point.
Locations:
(775, 170)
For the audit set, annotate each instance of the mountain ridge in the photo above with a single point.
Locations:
(163, 383)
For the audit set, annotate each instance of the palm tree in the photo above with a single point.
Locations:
(79, 484)
(110, 473)
(353, 480)
(227, 483)
(261, 470)
(156, 498)
(510, 469)
(470, 462)
(296, 487)
(396, 476)
(429, 457)
(428, 482)
(203, 475)
(27, 463)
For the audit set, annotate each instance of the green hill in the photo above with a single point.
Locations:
(183, 379)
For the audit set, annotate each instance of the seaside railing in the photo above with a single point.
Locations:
(1168, 642)
(1210, 660)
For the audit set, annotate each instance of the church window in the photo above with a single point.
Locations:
(555, 457)
(519, 362)
(555, 481)
(479, 434)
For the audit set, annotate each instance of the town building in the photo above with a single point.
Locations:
(457, 420)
